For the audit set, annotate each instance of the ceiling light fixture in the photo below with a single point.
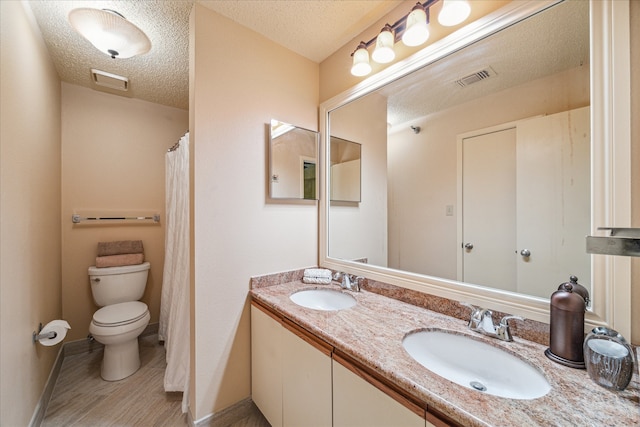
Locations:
(361, 66)
(110, 32)
(383, 53)
(412, 29)
(416, 31)
(454, 12)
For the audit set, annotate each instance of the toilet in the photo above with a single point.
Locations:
(122, 317)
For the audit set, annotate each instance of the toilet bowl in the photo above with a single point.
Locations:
(121, 319)
(118, 326)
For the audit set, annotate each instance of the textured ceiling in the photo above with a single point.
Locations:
(314, 29)
(552, 41)
(160, 76)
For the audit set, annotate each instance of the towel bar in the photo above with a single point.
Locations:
(621, 241)
(75, 218)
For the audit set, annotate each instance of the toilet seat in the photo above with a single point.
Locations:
(121, 314)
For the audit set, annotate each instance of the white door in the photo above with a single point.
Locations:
(553, 201)
(489, 209)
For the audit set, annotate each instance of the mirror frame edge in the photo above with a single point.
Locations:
(610, 57)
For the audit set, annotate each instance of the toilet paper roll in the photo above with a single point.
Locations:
(60, 327)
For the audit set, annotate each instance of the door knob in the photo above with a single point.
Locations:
(468, 246)
(525, 253)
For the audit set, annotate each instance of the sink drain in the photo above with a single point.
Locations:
(478, 386)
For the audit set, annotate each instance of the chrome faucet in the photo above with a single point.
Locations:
(348, 281)
(481, 321)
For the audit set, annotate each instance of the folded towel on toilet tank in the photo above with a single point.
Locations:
(119, 260)
(120, 247)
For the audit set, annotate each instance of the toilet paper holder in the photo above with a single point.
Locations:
(38, 336)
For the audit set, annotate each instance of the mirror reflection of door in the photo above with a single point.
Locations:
(309, 179)
(489, 209)
(554, 212)
(526, 203)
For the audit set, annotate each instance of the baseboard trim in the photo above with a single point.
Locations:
(41, 407)
(226, 417)
(69, 349)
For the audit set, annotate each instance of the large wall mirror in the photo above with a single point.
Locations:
(293, 161)
(489, 161)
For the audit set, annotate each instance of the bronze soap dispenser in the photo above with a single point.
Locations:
(566, 334)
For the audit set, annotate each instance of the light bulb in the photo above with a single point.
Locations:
(454, 12)
(383, 52)
(361, 66)
(416, 30)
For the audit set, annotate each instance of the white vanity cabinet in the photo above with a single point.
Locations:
(306, 380)
(358, 403)
(291, 372)
(298, 380)
(266, 364)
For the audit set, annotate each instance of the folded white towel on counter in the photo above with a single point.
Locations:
(317, 280)
(317, 272)
(317, 276)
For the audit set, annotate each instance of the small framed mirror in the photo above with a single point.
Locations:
(345, 160)
(293, 162)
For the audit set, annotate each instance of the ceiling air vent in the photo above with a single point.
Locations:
(112, 81)
(475, 77)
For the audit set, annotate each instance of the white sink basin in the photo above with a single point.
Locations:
(476, 365)
(323, 299)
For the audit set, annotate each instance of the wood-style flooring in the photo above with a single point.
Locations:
(82, 398)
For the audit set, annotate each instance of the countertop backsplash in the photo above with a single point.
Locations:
(529, 330)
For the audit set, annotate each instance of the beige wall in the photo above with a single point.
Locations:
(113, 161)
(29, 211)
(239, 82)
(423, 234)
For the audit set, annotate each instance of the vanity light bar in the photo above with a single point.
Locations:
(412, 29)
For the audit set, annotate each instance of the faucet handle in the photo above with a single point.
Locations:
(357, 283)
(504, 320)
(475, 318)
(503, 330)
(474, 309)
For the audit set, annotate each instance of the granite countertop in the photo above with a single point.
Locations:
(372, 332)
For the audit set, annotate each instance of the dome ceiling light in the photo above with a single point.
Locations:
(110, 32)
(412, 29)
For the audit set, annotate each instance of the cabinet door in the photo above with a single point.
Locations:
(358, 403)
(266, 365)
(306, 383)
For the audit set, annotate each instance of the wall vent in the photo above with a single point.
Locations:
(475, 77)
(112, 81)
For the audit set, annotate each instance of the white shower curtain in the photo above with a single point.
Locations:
(174, 304)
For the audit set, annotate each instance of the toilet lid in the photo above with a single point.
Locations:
(120, 314)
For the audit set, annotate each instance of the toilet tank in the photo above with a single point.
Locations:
(113, 285)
